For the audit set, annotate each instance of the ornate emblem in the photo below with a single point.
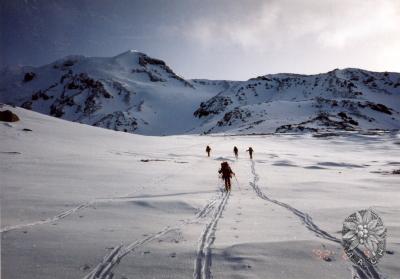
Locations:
(364, 237)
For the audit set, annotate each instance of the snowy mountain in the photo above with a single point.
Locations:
(130, 92)
(133, 92)
(347, 99)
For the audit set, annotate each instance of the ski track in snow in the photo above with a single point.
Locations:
(202, 265)
(368, 272)
(68, 212)
(104, 270)
(48, 220)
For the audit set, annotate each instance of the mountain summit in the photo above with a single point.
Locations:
(135, 93)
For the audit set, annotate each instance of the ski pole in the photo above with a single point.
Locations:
(219, 182)
(237, 182)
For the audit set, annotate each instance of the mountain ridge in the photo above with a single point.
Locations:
(133, 92)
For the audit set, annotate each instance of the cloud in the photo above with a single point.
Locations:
(274, 24)
(365, 22)
(227, 39)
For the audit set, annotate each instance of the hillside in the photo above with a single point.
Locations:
(349, 99)
(135, 93)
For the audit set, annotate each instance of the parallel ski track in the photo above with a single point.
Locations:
(73, 210)
(48, 220)
(369, 272)
(104, 270)
(202, 265)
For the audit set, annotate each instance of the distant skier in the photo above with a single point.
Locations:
(250, 150)
(208, 150)
(236, 151)
(226, 173)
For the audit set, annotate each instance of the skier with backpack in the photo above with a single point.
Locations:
(226, 173)
(208, 150)
(250, 150)
(236, 151)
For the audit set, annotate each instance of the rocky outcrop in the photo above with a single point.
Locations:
(234, 116)
(29, 76)
(8, 116)
(153, 75)
(213, 106)
(78, 86)
(118, 121)
(377, 107)
(323, 121)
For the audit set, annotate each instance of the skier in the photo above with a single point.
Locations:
(226, 173)
(250, 150)
(208, 150)
(236, 151)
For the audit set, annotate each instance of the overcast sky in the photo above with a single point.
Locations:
(208, 39)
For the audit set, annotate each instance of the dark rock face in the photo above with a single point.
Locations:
(145, 60)
(40, 95)
(118, 121)
(65, 64)
(77, 85)
(324, 121)
(347, 118)
(234, 115)
(378, 107)
(8, 116)
(152, 76)
(27, 105)
(213, 106)
(29, 76)
(294, 129)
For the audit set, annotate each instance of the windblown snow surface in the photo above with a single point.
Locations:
(84, 202)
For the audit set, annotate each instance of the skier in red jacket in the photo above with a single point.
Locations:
(226, 173)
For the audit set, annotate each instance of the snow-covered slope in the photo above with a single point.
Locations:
(133, 92)
(341, 99)
(78, 200)
(129, 92)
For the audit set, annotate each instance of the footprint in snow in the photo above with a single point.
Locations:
(85, 267)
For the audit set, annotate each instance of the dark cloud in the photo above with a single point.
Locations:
(210, 39)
